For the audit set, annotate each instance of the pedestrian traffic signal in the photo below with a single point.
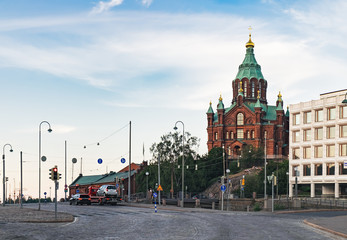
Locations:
(59, 175)
(51, 173)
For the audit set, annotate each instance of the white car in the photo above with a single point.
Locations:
(107, 191)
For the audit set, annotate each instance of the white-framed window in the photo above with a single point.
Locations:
(227, 135)
(296, 118)
(240, 133)
(343, 112)
(331, 113)
(330, 168)
(319, 115)
(240, 119)
(343, 149)
(296, 136)
(330, 150)
(307, 117)
(343, 131)
(252, 134)
(307, 135)
(307, 170)
(296, 153)
(318, 169)
(318, 151)
(245, 88)
(318, 133)
(215, 136)
(331, 132)
(307, 152)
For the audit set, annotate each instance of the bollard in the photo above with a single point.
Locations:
(247, 208)
(213, 205)
(197, 203)
(164, 202)
(178, 203)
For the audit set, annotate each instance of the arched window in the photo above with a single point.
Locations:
(239, 119)
(253, 90)
(245, 88)
(252, 134)
(227, 135)
(215, 136)
(229, 151)
(265, 134)
(259, 89)
(248, 135)
(231, 135)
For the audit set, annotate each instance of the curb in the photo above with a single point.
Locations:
(325, 229)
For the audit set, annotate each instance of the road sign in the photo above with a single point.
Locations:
(243, 182)
(99, 160)
(77, 190)
(155, 195)
(223, 188)
(45, 193)
(117, 185)
(122, 160)
(345, 164)
(159, 188)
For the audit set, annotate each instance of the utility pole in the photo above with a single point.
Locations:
(159, 179)
(265, 196)
(129, 175)
(21, 179)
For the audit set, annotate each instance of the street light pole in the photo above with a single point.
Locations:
(175, 128)
(265, 196)
(3, 168)
(49, 130)
(147, 173)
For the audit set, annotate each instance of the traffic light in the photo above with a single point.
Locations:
(51, 173)
(55, 173)
(59, 175)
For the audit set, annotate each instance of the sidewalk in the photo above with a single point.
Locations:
(16, 214)
(335, 225)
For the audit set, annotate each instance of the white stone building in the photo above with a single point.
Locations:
(318, 145)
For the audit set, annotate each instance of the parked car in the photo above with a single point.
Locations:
(107, 191)
(80, 199)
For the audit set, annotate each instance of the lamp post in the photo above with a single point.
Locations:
(3, 168)
(49, 130)
(147, 173)
(228, 186)
(175, 128)
(265, 196)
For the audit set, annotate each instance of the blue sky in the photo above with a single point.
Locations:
(90, 67)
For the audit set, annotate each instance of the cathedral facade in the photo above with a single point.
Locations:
(249, 120)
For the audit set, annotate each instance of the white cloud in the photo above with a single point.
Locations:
(105, 6)
(147, 3)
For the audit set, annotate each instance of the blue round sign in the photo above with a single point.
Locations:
(99, 160)
(122, 160)
(223, 188)
(77, 190)
(45, 193)
(155, 195)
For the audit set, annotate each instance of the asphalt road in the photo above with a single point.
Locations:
(123, 222)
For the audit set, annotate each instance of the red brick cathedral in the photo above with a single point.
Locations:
(249, 120)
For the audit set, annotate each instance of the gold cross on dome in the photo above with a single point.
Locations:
(250, 30)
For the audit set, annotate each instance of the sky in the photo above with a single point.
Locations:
(91, 67)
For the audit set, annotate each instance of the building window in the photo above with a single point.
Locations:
(296, 136)
(296, 119)
(296, 153)
(318, 133)
(330, 168)
(318, 170)
(252, 134)
(307, 135)
(229, 151)
(231, 135)
(253, 90)
(227, 135)
(331, 113)
(331, 132)
(318, 151)
(307, 170)
(319, 115)
(248, 135)
(342, 170)
(307, 117)
(343, 149)
(240, 133)
(245, 88)
(343, 131)
(295, 170)
(343, 112)
(265, 134)
(259, 89)
(307, 152)
(330, 150)
(240, 119)
(215, 136)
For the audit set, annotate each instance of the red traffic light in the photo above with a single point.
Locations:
(55, 169)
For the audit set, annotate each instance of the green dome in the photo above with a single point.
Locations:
(249, 67)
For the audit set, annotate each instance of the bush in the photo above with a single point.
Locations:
(256, 207)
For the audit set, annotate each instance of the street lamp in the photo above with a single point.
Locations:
(345, 100)
(49, 130)
(147, 173)
(265, 196)
(228, 171)
(175, 128)
(3, 177)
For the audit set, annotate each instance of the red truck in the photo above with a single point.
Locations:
(103, 197)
